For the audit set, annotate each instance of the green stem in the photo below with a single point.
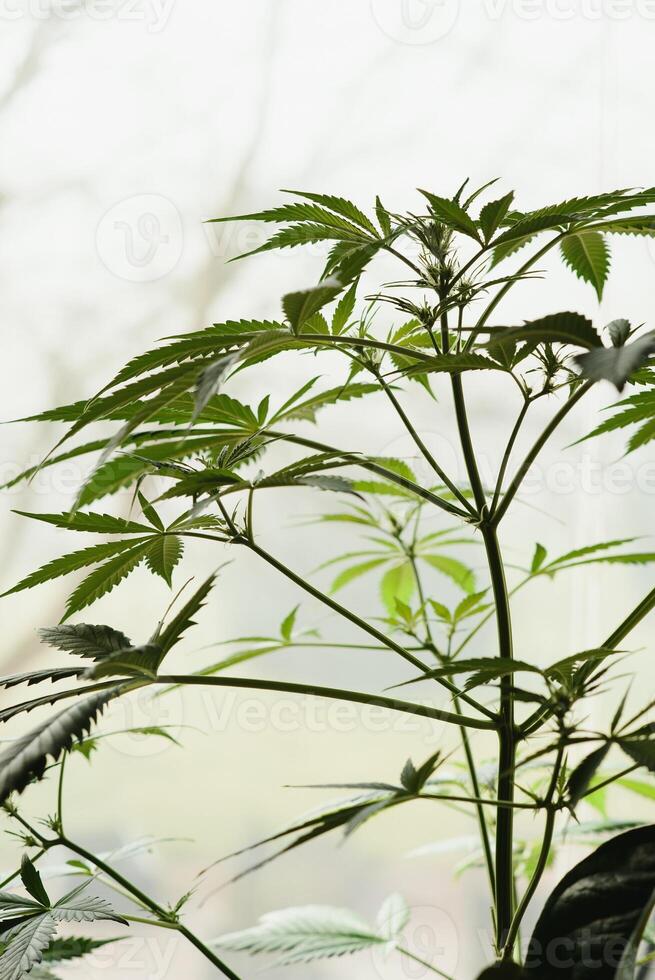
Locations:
(343, 611)
(417, 959)
(542, 860)
(15, 874)
(338, 694)
(310, 645)
(487, 616)
(357, 460)
(508, 452)
(250, 519)
(115, 875)
(157, 923)
(132, 890)
(149, 903)
(647, 604)
(454, 489)
(502, 292)
(362, 624)
(504, 867)
(331, 340)
(611, 779)
(467, 444)
(482, 800)
(60, 794)
(468, 753)
(479, 806)
(403, 258)
(629, 623)
(522, 471)
(507, 742)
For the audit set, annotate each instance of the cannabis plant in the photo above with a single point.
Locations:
(170, 430)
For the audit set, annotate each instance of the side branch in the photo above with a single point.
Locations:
(338, 694)
(522, 471)
(352, 617)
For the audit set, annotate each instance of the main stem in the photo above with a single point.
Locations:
(544, 852)
(504, 865)
(507, 744)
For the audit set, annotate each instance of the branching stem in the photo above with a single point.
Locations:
(164, 917)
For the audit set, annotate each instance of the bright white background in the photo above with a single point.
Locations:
(122, 126)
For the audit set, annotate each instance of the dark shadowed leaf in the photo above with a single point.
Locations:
(628, 966)
(503, 971)
(32, 881)
(640, 747)
(84, 640)
(31, 677)
(134, 661)
(558, 328)
(588, 919)
(581, 777)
